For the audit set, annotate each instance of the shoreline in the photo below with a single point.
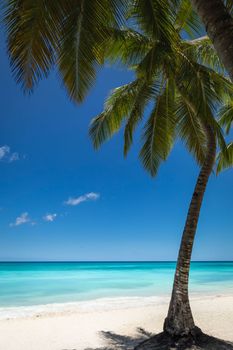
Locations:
(97, 305)
(92, 329)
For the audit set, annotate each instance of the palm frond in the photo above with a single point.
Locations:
(32, 35)
(186, 19)
(156, 59)
(154, 17)
(145, 94)
(126, 46)
(229, 6)
(158, 135)
(226, 116)
(66, 33)
(225, 159)
(117, 107)
(84, 32)
(200, 93)
(202, 51)
(206, 88)
(219, 134)
(190, 129)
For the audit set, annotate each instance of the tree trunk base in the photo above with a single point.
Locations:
(193, 341)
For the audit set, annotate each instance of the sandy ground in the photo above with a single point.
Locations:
(85, 330)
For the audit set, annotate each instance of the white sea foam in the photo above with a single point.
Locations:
(102, 304)
(94, 305)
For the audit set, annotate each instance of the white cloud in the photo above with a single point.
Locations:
(20, 220)
(4, 151)
(49, 217)
(13, 157)
(84, 198)
(7, 155)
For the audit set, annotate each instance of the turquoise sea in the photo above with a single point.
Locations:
(28, 284)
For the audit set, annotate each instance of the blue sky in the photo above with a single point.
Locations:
(61, 200)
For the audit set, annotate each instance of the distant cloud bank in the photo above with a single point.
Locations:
(20, 220)
(49, 217)
(73, 201)
(8, 156)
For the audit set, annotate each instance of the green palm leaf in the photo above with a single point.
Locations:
(225, 159)
(154, 18)
(202, 51)
(229, 6)
(33, 33)
(117, 107)
(190, 129)
(226, 116)
(84, 32)
(145, 94)
(126, 46)
(67, 33)
(158, 133)
(187, 19)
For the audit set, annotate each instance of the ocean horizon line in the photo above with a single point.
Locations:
(106, 261)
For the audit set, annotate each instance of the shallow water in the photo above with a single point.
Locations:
(27, 284)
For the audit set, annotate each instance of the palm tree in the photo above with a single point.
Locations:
(216, 16)
(174, 76)
(175, 84)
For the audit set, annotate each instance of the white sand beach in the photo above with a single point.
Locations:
(82, 326)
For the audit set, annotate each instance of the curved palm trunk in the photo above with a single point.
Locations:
(219, 27)
(179, 321)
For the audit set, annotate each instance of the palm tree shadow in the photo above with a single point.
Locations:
(144, 340)
(123, 342)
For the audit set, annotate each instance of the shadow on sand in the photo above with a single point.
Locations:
(146, 341)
